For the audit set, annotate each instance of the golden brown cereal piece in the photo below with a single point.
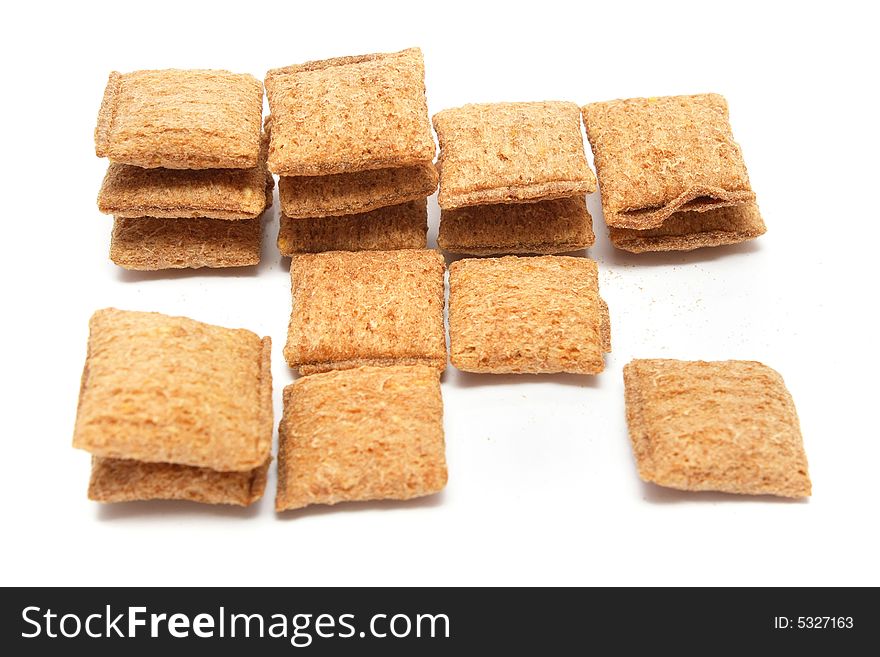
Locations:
(527, 315)
(553, 226)
(604, 326)
(353, 193)
(371, 433)
(150, 243)
(659, 156)
(402, 226)
(727, 426)
(130, 191)
(172, 390)
(366, 308)
(349, 114)
(120, 480)
(511, 152)
(180, 119)
(685, 231)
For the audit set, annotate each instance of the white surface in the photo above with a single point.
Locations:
(542, 486)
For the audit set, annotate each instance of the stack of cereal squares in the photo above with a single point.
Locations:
(365, 421)
(187, 180)
(171, 408)
(671, 176)
(352, 144)
(513, 179)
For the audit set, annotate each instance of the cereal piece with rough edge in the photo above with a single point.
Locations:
(181, 119)
(402, 226)
(354, 193)
(151, 243)
(122, 480)
(349, 114)
(533, 315)
(371, 433)
(129, 191)
(688, 230)
(163, 389)
(658, 156)
(366, 308)
(511, 152)
(727, 426)
(554, 226)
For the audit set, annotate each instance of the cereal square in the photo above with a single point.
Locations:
(727, 426)
(123, 480)
(173, 390)
(366, 308)
(355, 193)
(152, 243)
(129, 191)
(555, 226)
(349, 114)
(658, 156)
(511, 152)
(527, 315)
(370, 433)
(181, 119)
(403, 226)
(689, 229)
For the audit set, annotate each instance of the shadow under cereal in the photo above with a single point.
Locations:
(175, 509)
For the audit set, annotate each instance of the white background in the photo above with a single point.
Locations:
(542, 486)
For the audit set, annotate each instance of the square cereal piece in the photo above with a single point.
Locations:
(402, 226)
(129, 191)
(181, 119)
(166, 389)
(511, 152)
(349, 114)
(554, 226)
(152, 243)
(527, 315)
(727, 426)
(366, 308)
(658, 156)
(122, 480)
(371, 433)
(339, 194)
(688, 230)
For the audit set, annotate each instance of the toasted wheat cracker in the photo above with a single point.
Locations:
(181, 119)
(366, 308)
(511, 152)
(370, 433)
(402, 226)
(554, 226)
(658, 156)
(152, 243)
(349, 114)
(727, 426)
(688, 230)
(121, 480)
(129, 191)
(339, 194)
(167, 389)
(534, 315)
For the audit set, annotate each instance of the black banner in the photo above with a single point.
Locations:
(435, 621)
